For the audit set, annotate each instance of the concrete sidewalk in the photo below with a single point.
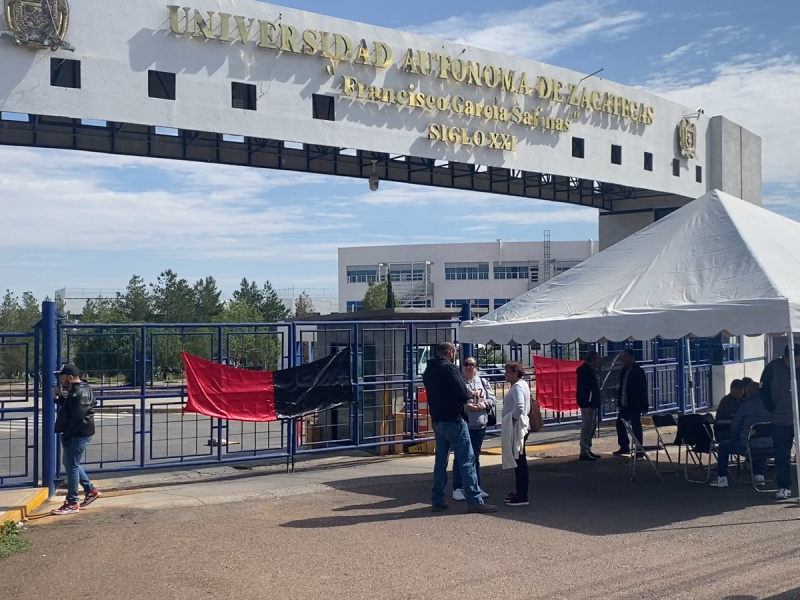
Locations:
(18, 503)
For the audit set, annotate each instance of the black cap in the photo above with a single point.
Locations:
(70, 370)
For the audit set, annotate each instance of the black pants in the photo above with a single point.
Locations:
(635, 418)
(521, 475)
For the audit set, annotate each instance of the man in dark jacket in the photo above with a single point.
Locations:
(632, 401)
(75, 423)
(776, 392)
(727, 409)
(750, 412)
(588, 397)
(447, 399)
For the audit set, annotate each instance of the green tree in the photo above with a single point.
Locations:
(136, 303)
(249, 294)
(108, 354)
(208, 300)
(173, 298)
(17, 316)
(272, 308)
(303, 306)
(265, 299)
(377, 296)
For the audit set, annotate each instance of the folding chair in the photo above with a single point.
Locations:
(695, 436)
(660, 422)
(639, 450)
(763, 432)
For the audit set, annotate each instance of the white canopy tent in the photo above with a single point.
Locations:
(717, 264)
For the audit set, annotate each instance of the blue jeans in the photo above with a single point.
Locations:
(476, 441)
(729, 447)
(454, 436)
(782, 438)
(72, 452)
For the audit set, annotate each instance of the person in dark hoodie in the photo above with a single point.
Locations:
(447, 398)
(776, 392)
(75, 423)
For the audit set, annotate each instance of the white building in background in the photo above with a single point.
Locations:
(75, 299)
(484, 275)
(325, 300)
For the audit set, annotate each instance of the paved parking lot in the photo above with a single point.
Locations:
(366, 532)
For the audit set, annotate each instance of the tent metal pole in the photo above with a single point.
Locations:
(795, 411)
(691, 374)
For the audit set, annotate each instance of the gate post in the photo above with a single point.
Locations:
(467, 350)
(49, 366)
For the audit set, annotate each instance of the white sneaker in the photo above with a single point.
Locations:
(758, 479)
(484, 494)
(720, 482)
(783, 494)
(459, 495)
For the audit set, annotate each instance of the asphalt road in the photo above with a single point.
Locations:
(589, 533)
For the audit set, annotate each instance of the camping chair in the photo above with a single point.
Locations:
(639, 450)
(758, 431)
(660, 422)
(695, 436)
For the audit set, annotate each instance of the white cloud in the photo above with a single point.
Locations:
(758, 92)
(208, 211)
(539, 31)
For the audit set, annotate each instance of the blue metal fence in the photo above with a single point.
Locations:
(136, 371)
(19, 409)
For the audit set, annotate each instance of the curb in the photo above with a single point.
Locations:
(21, 511)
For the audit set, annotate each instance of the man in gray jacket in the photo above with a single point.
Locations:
(750, 412)
(776, 392)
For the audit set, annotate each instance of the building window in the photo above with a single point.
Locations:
(457, 303)
(648, 161)
(354, 306)
(243, 96)
(676, 167)
(660, 213)
(361, 275)
(511, 272)
(560, 266)
(699, 174)
(323, 107)
(464, 272)
(405, 273)
(480, 304)
(616, 154)
(161, 85)
(726, 349)
(498, 302)
(577, 147)
(65, 73)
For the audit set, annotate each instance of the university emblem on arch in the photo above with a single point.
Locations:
(688, 138)
(39, 24)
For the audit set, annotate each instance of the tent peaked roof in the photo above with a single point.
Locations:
(717, 264)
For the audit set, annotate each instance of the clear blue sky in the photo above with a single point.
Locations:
(733, 57)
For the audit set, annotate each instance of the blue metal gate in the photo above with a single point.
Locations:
(19, 409)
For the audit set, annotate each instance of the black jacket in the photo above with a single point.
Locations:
(447, 392)
(637, 389)
(76, 412)
(588, 395)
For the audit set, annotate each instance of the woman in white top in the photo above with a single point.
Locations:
(517, 404)
(477, 418)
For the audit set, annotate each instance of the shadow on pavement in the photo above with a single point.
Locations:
(589, 498)
(787, 595)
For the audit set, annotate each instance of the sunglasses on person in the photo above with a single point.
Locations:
(470, 365)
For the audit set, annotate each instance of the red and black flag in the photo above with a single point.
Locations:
(239, 395)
